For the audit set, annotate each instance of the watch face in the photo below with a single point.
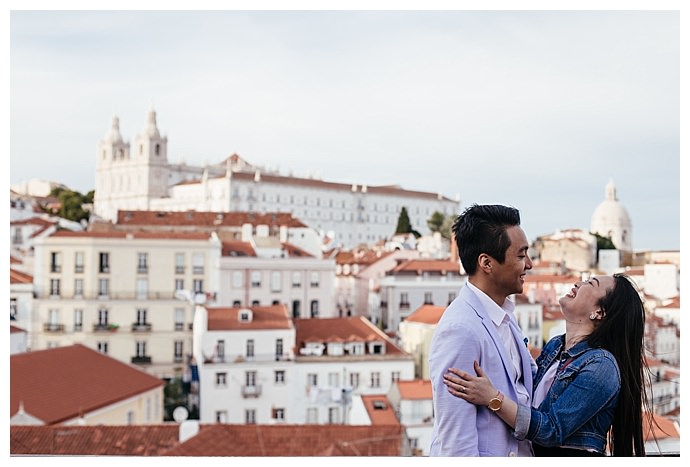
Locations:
(495, 404)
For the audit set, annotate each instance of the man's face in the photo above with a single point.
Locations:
(509, 277)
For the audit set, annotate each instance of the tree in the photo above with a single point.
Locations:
(71, 203)
(436, 221)
(403, 222)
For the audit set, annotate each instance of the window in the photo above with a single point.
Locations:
(13, 309)
(54, 287)
(404, 301)
(221, 416)
(395, 376)
(375, 381)
(197, 263)
(279, 377)
(179, 284)
(103, 287)
(297, 279)
(314, 279)
(55, 261)
(130, 417)
(312, 415)
(179, 319)
(250, 416)
(237, 279)
(103, 262)
(333, 415)
(178, 351)
(334, 380)
(53, 318)
(220, 350)
(236, 304)
(276, 281)
(142, 263)
(141, 316)
(256, 279)
(376, 348)
(179, 263)
(102, 347)
(278, 414)
(221, 380)
(314, 308)
(198, 285)
(250, 378)
(279, 348)
(78, 287)
(250, 347)
(312, 379)
(142, 288)
(428, 298)
(296, 309)
(451, 297)
(102, 317)
(78, 319)
(354, 380)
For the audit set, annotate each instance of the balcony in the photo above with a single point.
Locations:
(251, 391)
(53, 327)
(104, 327)
(141, 327)
(140, 360)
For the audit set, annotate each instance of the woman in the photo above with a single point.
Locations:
(589, 386)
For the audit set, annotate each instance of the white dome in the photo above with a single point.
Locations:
(611, 219)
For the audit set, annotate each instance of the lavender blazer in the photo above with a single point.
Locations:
(465, 333)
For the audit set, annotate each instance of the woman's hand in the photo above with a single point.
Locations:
(477, 390)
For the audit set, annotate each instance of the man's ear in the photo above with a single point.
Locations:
(485, 261)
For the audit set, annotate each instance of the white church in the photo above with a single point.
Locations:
(139, 177)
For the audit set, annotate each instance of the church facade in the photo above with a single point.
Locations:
(140, 177)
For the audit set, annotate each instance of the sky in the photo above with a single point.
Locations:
(533, 108)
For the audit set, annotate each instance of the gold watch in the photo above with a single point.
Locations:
(496, 403)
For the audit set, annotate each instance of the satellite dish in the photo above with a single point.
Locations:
(180, 414)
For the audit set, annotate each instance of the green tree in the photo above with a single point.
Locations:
(71, 204)
(404, 225)
(603, 243)
(435, 221)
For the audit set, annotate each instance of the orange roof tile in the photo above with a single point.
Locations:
(162, 235)
(415, 389)
(263, 317)
(18, 277)
(45, 381)
(379, 410)
(60, 440)
(427, 314)
(293, 440)
(206, 218)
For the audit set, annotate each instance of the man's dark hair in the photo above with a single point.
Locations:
(482, 229)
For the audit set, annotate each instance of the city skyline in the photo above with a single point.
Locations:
(537, 109)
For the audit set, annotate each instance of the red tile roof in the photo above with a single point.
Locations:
(326, 329)
(659, 427)
(237, 248)
(379, 410)
(61, 440)
(427, 314)
(293, 440)
(427, 265)
(416, 389)
(206, 218)
(163, 235)
(263, 317)
(18, 277)
(46, 382)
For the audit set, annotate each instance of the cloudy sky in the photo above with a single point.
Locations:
(536, 109)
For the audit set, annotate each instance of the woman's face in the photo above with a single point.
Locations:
(584, 297)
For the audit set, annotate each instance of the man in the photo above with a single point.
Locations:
(479, 325)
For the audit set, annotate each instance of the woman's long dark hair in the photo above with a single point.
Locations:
(621, 332)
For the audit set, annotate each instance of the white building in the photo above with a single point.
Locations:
(115, 292)
(662, 280)
(611, 220)
(415, 334)
(414, 283)
(253, 274)
(257, 365)
(142, 179)
(413, 405)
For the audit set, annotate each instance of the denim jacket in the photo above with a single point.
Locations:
(578, 410)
